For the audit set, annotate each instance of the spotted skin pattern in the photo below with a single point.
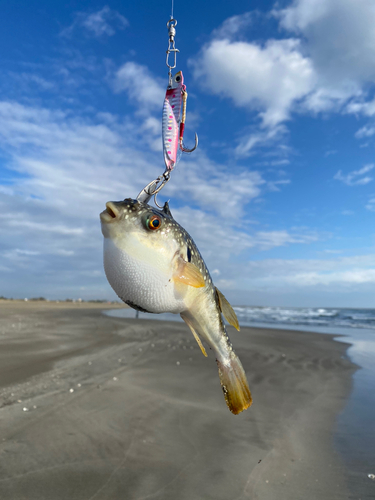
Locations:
(149, 269)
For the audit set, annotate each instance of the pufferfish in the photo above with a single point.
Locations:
(154, 266)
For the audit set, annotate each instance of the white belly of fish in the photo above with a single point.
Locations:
(140, 283)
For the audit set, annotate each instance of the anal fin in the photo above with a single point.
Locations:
(196, 336)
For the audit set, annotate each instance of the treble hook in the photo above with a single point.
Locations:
(154, 187)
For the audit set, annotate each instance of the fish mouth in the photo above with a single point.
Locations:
(110, 213)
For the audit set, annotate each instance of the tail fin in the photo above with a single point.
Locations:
(234, 384)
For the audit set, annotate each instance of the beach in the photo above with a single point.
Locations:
(99, 407)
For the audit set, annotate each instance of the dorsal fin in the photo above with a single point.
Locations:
(227, 310)
(166, 209)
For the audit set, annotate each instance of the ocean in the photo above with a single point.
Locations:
(307, 316)
(284, 316)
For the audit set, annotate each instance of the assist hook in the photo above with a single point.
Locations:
(187, 150)
(182, 124)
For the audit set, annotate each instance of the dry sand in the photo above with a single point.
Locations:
(130, 409)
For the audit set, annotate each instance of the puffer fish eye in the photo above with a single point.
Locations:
(153, 222)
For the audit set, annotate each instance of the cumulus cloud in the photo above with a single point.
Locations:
(371, 205)
(259, 138)
(340, 36)
(300, 274)
(142, 87)
(366, 131)
(340, 40)
(62, 170)
(102, 22)
(266, 78)
(208, 184)
(323, 65)
(356, 177)
(275, 185)
(233, 239)
(233, 25)
(362, 107)
(270, 239)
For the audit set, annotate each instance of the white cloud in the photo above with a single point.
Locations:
(330, 152)
(365, 108)
(6, 190)
(25, 80)
(302, 274)
(274, 185)
(210, 187)
(103, 22)
(340, 40)
(340, 36)
(347, 212)
(260, 138)
(266, 78)
(233, 25)
(211, 233)
(357, 276)
(38, 227)
(366, 131)
(271, 239)
(67, 168)
(355, 178)
(371, 205)
(99, 22)
(25, 252)
(324, 67)
(329, 98)
(142, 87)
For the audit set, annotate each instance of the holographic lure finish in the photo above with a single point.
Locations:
(171, 120)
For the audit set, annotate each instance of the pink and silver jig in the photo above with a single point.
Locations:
(174, 109)
(173, 123)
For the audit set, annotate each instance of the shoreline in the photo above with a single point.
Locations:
(149, 418)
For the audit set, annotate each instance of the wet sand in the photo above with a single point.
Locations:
(130, 409)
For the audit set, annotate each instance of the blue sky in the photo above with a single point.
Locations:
(280, 195)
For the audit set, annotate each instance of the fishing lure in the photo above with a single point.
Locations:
(171, 120)
(173, 123)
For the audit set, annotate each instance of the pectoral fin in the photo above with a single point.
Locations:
(196, 336)
(188, 274)
(227, 310)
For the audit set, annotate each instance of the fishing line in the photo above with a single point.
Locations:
(174, 116)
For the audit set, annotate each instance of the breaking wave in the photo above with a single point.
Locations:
(335, 317)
